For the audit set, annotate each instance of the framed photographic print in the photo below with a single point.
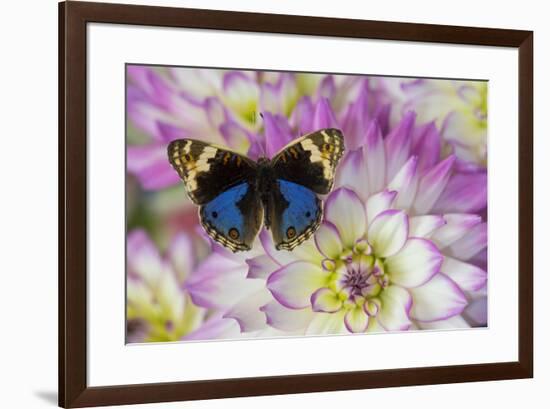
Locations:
(257, 204)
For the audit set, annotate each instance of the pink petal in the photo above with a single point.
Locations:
(143, 257)
(236, 136)
(277, 133)
(356, 119)
(468, 276)
(345, 210)
(476, 312)
(438, 299)
(456, 226)
(150, 165)
(325, 300)
(394, 311)
(324, 117)
(375, 157)
(473, 242)
(302, 116)
(352, 173)
(464, 193)
(405, 184)
(144, 115)
(379, 203)
(432, 184)
(182, 255)
(326, 88)
(220, 282)
(293, 284)
(388, 232)
(426, 145)
(215, 328)
(239, 87)
(398, 144)
(270, 100)
(424, 226)
(215, 112)
(261, 266)
(417, 262)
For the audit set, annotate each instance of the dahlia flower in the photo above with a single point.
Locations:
(459, 108)
(402, 245)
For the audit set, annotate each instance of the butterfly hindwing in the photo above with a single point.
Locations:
(311, 160)
(207, 170)
(234, 217)
(295, 212)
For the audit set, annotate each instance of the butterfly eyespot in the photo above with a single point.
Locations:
(214, 214)
(234, 233)
(291, 232)
(187, 157)
(326, 147)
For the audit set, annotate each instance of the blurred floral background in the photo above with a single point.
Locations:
(403, 243)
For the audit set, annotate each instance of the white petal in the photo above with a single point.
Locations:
(352, 173)
(294, 284)
(261, 266)
(356, 320)
(327, 323)
(287, 319)
(438, 299)
(325, 300)
(417, 262)
(378, 203)
(388, 232)
(247, 312)
(345, 210)
(456, 226)
(182, 255)
(468, 276)
(470, 244)
(424, 226)
(455, 322)
(393, 314)
(328, 240)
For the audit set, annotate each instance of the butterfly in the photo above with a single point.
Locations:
(236, 195)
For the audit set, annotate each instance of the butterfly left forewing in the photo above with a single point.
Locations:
(311, 160)
(206, 169)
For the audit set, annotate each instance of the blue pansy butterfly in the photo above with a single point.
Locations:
(236, 194)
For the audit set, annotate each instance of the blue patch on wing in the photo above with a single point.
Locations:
(302, 207)
(222, 212)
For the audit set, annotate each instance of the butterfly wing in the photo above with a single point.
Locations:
(295, 213)
(222, 182)
(311, 160)
(207, 170)
(234, 217)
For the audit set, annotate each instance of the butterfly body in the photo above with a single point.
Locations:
(237, 195)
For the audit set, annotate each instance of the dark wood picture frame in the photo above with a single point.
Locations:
(73, 388)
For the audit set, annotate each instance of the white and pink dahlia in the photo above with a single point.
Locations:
(402, 245)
